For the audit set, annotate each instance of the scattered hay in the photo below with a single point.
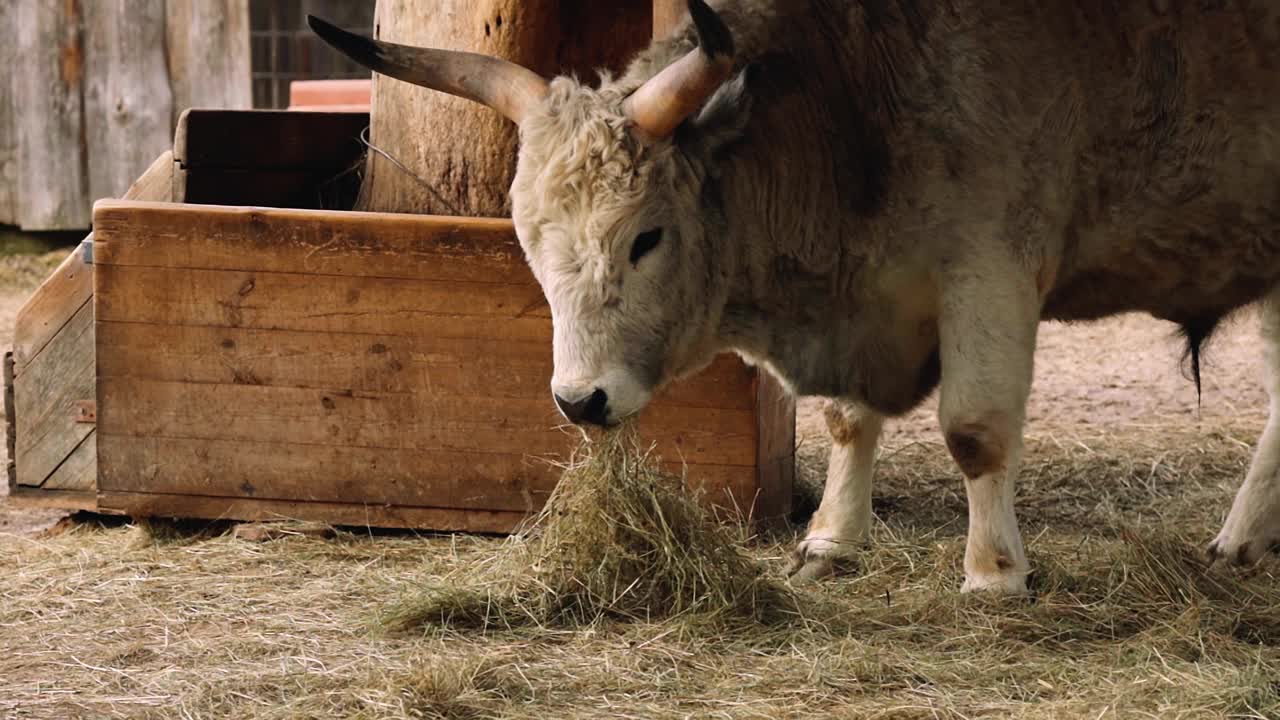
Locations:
(1125, 620)
(617, 538)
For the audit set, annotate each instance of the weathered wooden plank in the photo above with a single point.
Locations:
(50, 307)
(284, 301)
(310, 241)
(127, 101)
(269, 139)
(49, 89)
(370, 363)
(45, 394)
(147, 408)
(281, 471)
(330, 189)
(8, 109)
(64, 292)
(61, 499)
(285, 471)
(209, 60)
(79, 470)
(393, 516)
(156, 183)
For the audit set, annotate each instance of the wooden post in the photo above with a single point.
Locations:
(667, 14)
(463, 155)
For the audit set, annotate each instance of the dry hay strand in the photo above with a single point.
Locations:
(618, 538)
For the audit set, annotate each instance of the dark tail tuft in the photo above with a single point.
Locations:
(1196, 333)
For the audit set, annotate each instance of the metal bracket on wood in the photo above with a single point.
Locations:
(86, 411)
(86, 250)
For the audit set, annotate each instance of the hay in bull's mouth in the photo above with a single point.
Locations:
(618, 538)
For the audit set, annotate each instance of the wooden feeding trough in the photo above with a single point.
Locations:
(229, 344)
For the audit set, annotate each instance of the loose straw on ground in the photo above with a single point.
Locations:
(618, 538)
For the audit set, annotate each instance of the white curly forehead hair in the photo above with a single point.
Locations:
(605, 221)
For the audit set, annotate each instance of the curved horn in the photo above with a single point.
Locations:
(504, 86)
(659, 106)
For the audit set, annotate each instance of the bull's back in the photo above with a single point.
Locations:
(1175, 189)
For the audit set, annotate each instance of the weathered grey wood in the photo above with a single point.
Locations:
(79, 470)
(208, 54)
(8, 128)
(48, 90)
(128, 105)
(45, 395)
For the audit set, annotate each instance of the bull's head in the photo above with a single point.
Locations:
(608, 205)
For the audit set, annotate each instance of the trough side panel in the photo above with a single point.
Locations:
(395, 421)
(46, 393)
(394, 516)
(128, 105)
(318, 303)
(500, 368)
(79, 470)
(64, 292)
(285, 471)
(309, 241)
(281, 471)
(51, 307)
(268, 139)
(49, 87)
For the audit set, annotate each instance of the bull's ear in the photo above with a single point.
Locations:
(722, 119)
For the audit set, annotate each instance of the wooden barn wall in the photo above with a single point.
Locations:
(101, 87)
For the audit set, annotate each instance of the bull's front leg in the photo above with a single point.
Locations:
(842, 523)
(987, 330)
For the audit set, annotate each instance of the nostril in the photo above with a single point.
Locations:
(593, 409)
(596, 412)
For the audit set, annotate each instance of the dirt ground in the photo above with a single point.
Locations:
(1126, 477)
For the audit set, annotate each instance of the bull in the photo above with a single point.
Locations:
(874, 198)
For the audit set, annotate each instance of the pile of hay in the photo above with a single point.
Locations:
(618, 538)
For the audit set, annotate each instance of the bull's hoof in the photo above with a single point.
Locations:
(1228, 549)
(1011, 582)
(815, 559)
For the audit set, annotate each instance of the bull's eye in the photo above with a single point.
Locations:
(645, 242)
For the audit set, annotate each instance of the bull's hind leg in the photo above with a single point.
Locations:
(1253, 526)
(843, 520)
(987, 330)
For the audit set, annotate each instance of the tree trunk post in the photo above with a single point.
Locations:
(458, 157)
(667, 14)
